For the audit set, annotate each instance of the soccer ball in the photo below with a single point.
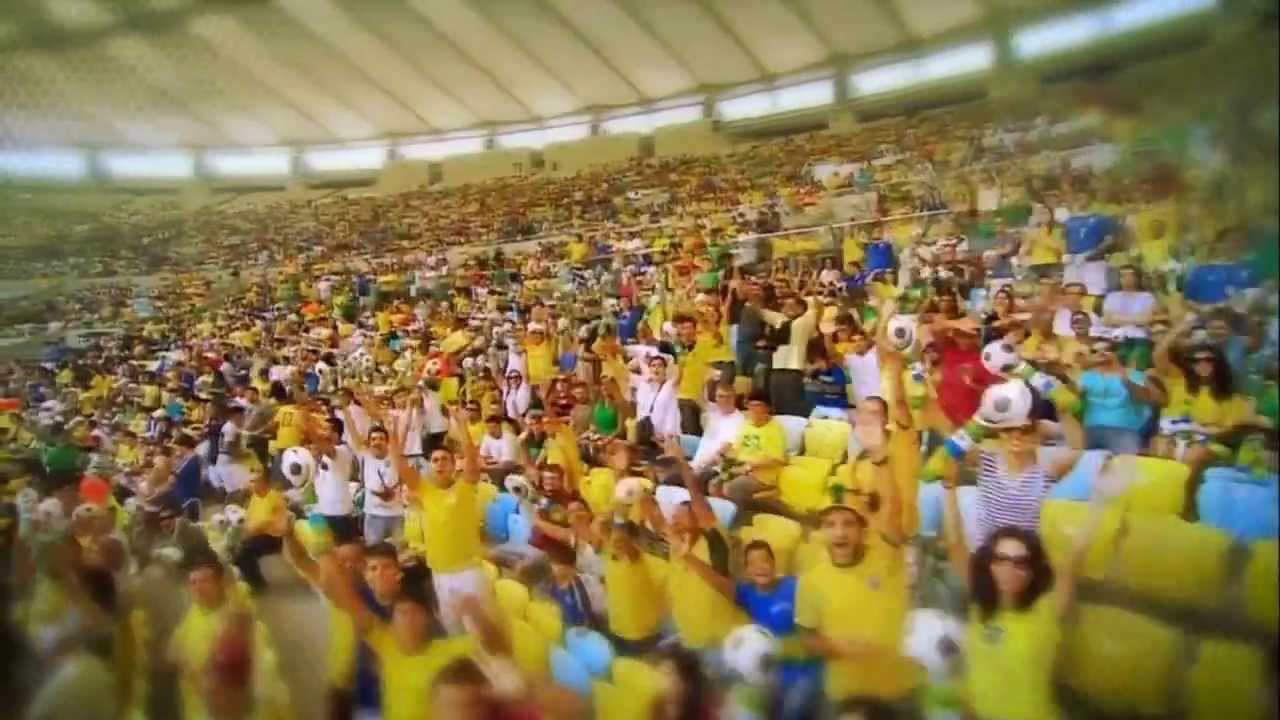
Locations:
(750, 651)
(220, 523)
(468, 364)
(902, 332)
(298, 465)
(1006, 405)
(936, 641)
(1000, 358)
(517, 485)
(628, 490)
(235, 516)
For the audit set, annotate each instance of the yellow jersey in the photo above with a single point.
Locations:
(703, 617)
(761, 442)
(451, 523)
(265, 512)
(1010, 661)
(291, 424)
(634, 608)
(541, 362)
(1204, 409)
(407, 677)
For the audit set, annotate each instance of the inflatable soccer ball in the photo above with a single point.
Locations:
(517, 485)
(1005, 405)
(298, 466)
(750, 651)
(235, 516)
(901, 332)
(1000, 358)
(219, 523)
(936, 641)
(468, 364)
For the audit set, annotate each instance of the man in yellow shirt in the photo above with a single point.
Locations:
(693, 357)
(761, 447)
(451, 521)
(852, 610)
(265, 522)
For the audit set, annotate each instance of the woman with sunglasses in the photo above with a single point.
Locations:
(1201, 384)
(1017, 601)
(1118, 401)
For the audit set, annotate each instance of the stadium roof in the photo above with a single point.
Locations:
(215, 73)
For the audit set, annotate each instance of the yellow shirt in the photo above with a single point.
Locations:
(451, 523)
(578, 251)
(541, 363)
(1047, 245)
(127, 455)
(1204, 409)
(191, 643)
(1010, 662)
(766, 441)
(635, 611)
(342, 648)
(151, 396)
(407, 677)
(1153, 242)
(694, 365)
(868, 603)
(703, 617)
(291, 422)
(265, 511)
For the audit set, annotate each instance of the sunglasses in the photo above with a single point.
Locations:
(1020, 562)
(1203, 359)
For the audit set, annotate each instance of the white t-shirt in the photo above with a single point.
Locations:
(718, 428)
(515, 403)
(498, 449)
(1062, 322)
(333, 473)
(864, 374)
(1129, 303)
(411, 422)
(377, 475)
(658, 403)
(433, 419)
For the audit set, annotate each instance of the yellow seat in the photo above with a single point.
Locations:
(779, 526)
(827, 438)
(1171, 560)
(608, 700)
(597, 490)
(1262, 584)
(1228, 680)
(529, 648)
(512, 596)
(545, 616)
(802, 488)
(1124, 664)
(1061, 519)
(490, 570)
(782, 534)
(843, 475)
(1159, 487)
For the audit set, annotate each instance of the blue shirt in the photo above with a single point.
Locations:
(629, 323)
(825, 387)
(775, 610)
(186, 480)
(573, 603)
(1108, 403)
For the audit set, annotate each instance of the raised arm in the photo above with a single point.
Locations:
(720, 583)
(702, 512)
(1066, 578)
(953, 526)
(470, 453)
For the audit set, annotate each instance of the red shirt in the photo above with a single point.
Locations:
(963, 380)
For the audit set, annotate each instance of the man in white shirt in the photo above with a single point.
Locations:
(335, 466)
(434, 422)
(786, 373)
(516, 396)
(720, 427)
(656, 396)
(498, 456)
(863, 366)
(1070, 301)
(383, 501)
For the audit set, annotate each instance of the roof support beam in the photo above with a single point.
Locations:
(657, 39)
(891, 12)
(586, 42)
(760, 69)
(372, 29)
(797, 8)
(462, 52)
(524, 49)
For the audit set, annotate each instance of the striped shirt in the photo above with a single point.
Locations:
(1004, 500)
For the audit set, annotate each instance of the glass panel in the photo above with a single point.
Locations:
(156, 164)
(437, 149)
(242, 163)
(363, 157)
(814, 93)
(51, 163)
(745, 106)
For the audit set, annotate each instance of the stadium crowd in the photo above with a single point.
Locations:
(674, 467)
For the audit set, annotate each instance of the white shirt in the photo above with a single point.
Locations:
(333, 473)
(864, 374)
(499, 450)
(718, 428)
(515, 403)
(1129, 304)
(360, 419)
(792, 356)
(1062, 322)
(433, 419)
(378, 474)
(411, 421)
(658, 403)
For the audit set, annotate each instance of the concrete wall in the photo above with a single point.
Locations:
(403, 175)
(485, 166)
(695, 138)
(571, 157)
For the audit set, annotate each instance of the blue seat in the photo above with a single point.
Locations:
(590, 648)
(496, 515)
(569, 672)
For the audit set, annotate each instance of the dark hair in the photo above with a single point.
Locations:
(493, 419)
(337, 426)
(983, 584)
(205, 560)
(100, 587)
(382, 550)
(416, 594)
(1136, 272)
(683, 318)
(884, 406)
(695, 701)
(463, 671)
(379, 429)
(278, 392)
(1221, 384)
(185, 441)
(759, 545)
(759, 396)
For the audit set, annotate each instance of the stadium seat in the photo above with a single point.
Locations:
(512, 596)
(1173, 561)
(1077, 484)
(590, 648)
(485, 493)
(782, 534)
(803, 486)
(931, 503)
(1159, 487)
(826, 438)
(546, 617)
(1059, 521)
(1122, 663)
(809, 554)
(793, 426)
(640, 683)
(1228, 680)
(569, 672)
(1261, 590)
(725, 510)
(496, 514)
(529, 648)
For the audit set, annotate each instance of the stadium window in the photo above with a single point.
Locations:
(46, 164)
(532, 138)
(348, 157)
(949, 63)
(1078, 29)
(568, 133)
(440, 149)
(148, 164)
(814, 93)
(246, 163)
(745, 106)
(646, 122)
